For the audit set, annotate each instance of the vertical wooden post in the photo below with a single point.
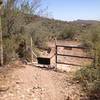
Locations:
(56, 52)
(1, 44)
(95, 59)
(31, 50)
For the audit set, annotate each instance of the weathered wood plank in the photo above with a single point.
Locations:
(76, 56)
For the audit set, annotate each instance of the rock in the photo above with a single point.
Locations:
(11, 94)
(23, 96)
(36, 99)
(4, 88)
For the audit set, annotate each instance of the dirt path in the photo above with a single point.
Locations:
(31, 83)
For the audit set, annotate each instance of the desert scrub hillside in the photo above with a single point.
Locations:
(89, 75)
(41, 30)
(22, 22)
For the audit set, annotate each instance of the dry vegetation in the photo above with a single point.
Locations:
(22, 22)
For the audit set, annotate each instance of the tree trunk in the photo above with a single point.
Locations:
(31, 50)
(1, 44)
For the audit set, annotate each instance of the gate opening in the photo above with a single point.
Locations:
(44, 61)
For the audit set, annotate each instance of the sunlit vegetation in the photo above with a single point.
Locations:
(21, 22)
(89, 76)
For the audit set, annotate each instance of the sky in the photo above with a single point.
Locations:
(69, 10)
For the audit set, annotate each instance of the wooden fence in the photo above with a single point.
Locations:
(70, 55)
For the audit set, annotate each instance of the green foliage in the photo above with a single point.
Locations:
(38, 33)
(20, 23)
(91, 39)
(89, 78)
(14, 21)
(21, 49)
(9, 49)
(88, 73)
(11, 45)
(67, 34)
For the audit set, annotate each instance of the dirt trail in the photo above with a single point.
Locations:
(31, 83)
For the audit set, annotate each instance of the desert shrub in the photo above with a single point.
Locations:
(21, 49)
(9, 49)
(67, 33)
(89, 78)
(38, 33)
(14, 47)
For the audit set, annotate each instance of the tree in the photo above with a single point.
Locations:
(16, 12)
(15, 19)
(1, 45)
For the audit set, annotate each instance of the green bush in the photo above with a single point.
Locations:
(9, 48)
(12, 47)
(67, 34)
(89, 77)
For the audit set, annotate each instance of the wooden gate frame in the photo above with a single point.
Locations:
(78, 47)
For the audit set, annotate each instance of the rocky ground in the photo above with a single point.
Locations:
(26, 82)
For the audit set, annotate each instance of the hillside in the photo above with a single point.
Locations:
(42, 30)
(49, 59)
(60, 28)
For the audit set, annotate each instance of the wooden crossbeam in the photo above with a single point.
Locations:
(67, 63)
(75, 56)
(78, 47)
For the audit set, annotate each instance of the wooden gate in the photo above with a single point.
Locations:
(71, 56)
